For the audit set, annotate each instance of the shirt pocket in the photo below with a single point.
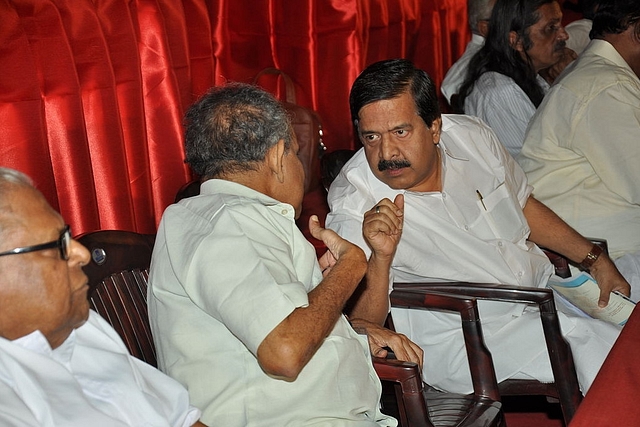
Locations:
(503, 214)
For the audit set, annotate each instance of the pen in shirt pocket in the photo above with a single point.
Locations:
(481, 199)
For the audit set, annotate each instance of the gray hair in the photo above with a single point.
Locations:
(13, 176)
(9, 180)
(231, 128)
(478, 10)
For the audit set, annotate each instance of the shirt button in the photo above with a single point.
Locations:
(500, 244)
(284, 211)
(466, 227)
(444, 195)
(520, 273)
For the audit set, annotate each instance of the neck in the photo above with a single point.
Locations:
(628, 46)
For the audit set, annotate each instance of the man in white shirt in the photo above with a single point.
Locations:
(242, 312)
(582, 150)
(503, 87)
(61, 364)
(438, 198)
(579, 29)
(478, 13)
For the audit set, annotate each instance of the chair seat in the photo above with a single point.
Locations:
(454, 410)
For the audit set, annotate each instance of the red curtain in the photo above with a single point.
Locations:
(92, 92)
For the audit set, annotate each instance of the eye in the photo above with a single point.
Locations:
(370, 138)
(401, 133)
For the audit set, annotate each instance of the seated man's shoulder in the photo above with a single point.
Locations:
(492, 80)
(470, 136)
(464, 124)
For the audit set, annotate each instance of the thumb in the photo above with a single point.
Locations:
(314, 227)
(399, 201)
(603, 301)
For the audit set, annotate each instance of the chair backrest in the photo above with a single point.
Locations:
(118, 273)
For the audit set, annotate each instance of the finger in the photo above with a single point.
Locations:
(380, 352)
(381, 222)
(604, 298)
(399, 202)
(385, 217)
(314, 227)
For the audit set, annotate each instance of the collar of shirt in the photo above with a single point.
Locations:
(37, 343)
(606, 50)
(217, 186)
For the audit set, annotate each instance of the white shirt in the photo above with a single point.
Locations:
(228, 267)
(582, 152)
(458, 71)
(452, 235)
(90, 380)
(578, 34)
(504, 106)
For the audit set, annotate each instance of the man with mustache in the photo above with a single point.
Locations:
(502, 85)
(582, 150)
(434, 197)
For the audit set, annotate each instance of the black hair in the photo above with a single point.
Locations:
(391, 78)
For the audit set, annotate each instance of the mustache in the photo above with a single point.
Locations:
(560, 45)
(393, 164)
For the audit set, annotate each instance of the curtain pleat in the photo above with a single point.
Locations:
(93, 92)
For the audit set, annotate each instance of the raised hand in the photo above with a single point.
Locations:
(336, 245)
(382, 226)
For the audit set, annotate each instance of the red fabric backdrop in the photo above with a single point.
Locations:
(92, 92)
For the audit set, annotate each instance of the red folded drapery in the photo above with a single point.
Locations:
(92, 92)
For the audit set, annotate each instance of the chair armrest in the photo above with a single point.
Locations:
(483, 374)
(407, 375)
(560, 356)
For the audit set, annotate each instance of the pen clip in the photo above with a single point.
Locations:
(481, 199)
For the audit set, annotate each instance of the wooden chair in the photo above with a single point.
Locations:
(565, 388)
(118, 274)
(482, 407)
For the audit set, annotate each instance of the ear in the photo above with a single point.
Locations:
(515, 42)
(275, 160)
(435, 129)
(483, 27)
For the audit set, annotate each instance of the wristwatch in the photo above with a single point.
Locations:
(591, 257)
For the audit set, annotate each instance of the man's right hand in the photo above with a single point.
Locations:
(382, 226)
(337, 247)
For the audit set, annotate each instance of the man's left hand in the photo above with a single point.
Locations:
(609, 279)
(381, 338)
(551, 74)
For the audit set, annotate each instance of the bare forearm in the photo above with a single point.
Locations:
(290, 346)
(550, 231)
(372, 303)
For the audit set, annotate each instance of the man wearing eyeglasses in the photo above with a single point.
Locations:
(60, 363)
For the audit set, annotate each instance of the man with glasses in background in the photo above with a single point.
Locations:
(61, 364)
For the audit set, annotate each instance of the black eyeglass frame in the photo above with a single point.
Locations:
(62, 243)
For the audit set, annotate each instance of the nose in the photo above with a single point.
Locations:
(562, 34)
(78, 254)
(388, 149)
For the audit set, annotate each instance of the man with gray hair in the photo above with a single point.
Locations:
(61, 364)
(242, 313)
(478, 13)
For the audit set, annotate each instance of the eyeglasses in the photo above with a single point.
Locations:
(62, 244)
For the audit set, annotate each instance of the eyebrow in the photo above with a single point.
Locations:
(397, 127)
